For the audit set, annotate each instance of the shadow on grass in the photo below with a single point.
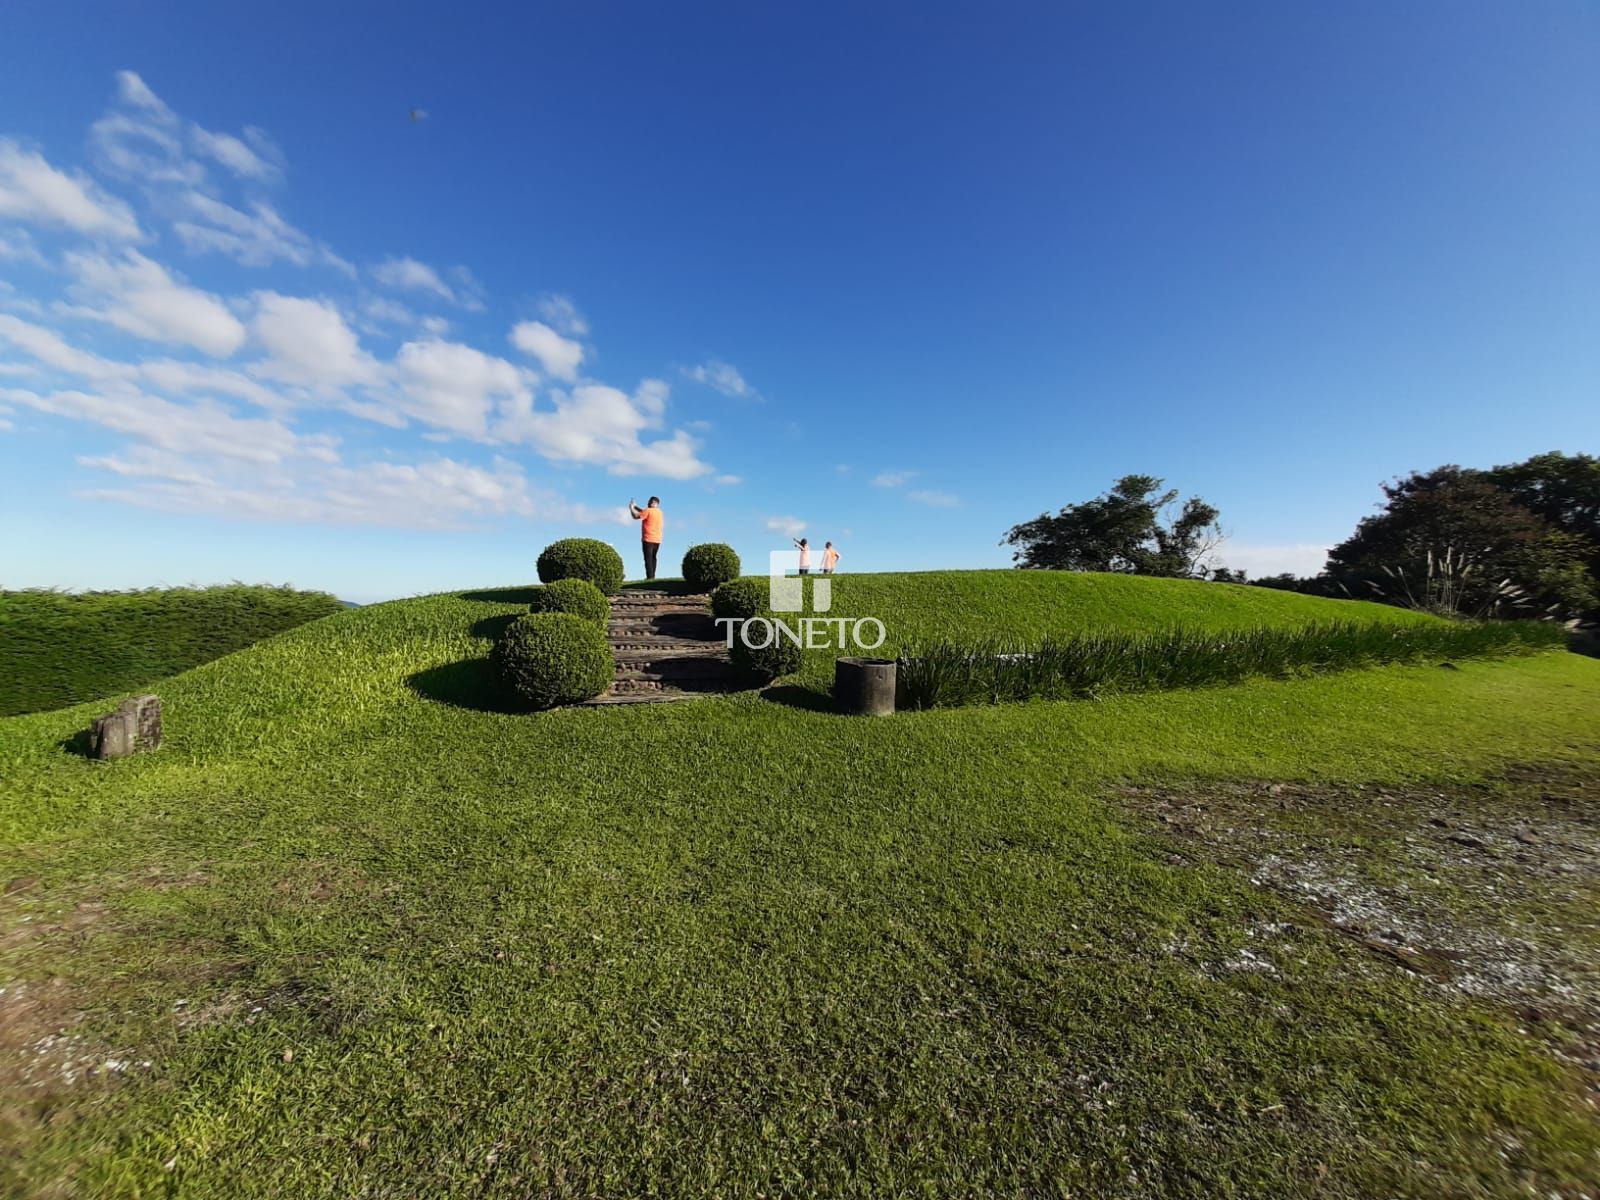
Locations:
(79, 743)
(793, 696)
(491, 627)
(515, 595)
(468, 684)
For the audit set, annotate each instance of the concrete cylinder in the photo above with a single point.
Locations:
(864, 686)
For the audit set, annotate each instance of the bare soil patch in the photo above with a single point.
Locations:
(1491, 891)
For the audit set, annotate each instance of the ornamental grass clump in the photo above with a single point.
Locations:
(582, 558)
(946, 674)
(550, 658)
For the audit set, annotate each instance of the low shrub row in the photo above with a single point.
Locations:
(946, 674)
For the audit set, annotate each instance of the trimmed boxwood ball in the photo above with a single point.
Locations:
(705, 566)
(582, 558)
(550, 658)
(740, 598)
(777, 658)
(576, 596)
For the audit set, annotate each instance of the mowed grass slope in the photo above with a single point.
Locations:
(371, 934)
(61, 648)
(919, 607)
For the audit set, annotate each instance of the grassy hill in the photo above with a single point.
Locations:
(363, 928)
(919, 606)
(61, 648)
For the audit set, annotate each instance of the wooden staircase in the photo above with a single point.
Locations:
(667, 648)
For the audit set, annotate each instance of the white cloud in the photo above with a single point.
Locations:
(32, 190)
(380, 310)
(234, 154)
(50, 348)
(407, 274)
(17, 246)
(205, 428)
(723, 377)
(933, 499)
(254, 239)
(147, 462)
(788, 526)
(171, 375)
(438, 493)
(138, 296)
(729, 480)
(308, 343)
(893, 479)
(141, 140)
(604, 426)
(561, 357)
(563, 315)
(455, 386)
(1258, 559)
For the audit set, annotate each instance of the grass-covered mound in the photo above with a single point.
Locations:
(354, 914)
(61, 648)
(922, 607)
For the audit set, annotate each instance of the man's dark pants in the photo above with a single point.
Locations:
(651, 549)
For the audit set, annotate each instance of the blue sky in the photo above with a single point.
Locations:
(903, 274)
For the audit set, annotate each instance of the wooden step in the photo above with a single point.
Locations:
(679, 670)
(635, 655)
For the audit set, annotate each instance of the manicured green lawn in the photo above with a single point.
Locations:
(375, 937)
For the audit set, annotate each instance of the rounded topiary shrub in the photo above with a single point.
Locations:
(740, 598)
(774, 659)
(550, 658)
(582, 558)
(576, 596)
(706, 566)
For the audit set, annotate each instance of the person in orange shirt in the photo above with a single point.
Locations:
(650, 523)
(830, 558)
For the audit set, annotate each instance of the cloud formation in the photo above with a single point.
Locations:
(262, 404)
(723, 377)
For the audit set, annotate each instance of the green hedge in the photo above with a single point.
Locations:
(576, 596)
(946, 674)
(779, 657)
(582, 558)
(741, 598)
(550, 658)
(64, 648)
(709, 565)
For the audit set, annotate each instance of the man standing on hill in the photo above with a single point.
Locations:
(650, 523)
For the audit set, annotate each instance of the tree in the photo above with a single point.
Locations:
(1564, 489)
(1453, 539)
(1128, 529)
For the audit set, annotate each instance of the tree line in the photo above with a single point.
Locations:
(1515, 540)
